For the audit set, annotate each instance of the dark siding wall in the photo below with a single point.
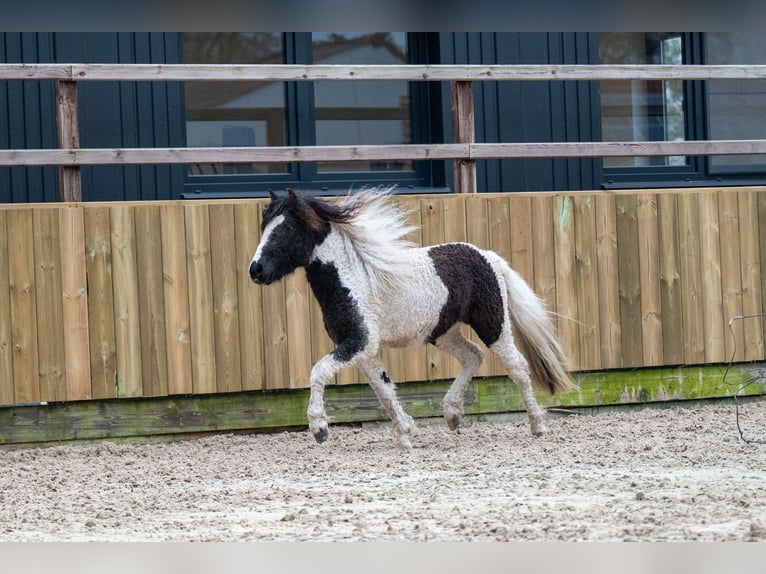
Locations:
(112, 114)
(531, 111)
(27, 119)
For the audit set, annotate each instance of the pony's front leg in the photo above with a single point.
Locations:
(322, 372)
(384, 389)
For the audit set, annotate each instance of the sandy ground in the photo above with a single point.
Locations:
(650, 474)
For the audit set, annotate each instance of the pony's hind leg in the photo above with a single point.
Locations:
(470, 356)
(518, 371)
(383, 387)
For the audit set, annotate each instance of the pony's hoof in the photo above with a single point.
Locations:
(539, 430)
(404, 443)
(453, 415)
(321, 435)
(320, 431)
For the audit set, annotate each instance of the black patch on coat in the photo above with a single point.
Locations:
(384, 376)
(474, 294)
(342, 319)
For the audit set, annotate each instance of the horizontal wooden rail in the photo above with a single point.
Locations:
(439, 72)
(463, 150)
(471, 151)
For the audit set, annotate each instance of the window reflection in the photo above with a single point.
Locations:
(642, 110)
(735, 107)
(361, 112)
(233, 114)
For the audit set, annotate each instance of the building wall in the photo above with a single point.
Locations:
(531, 111)
(112, 114)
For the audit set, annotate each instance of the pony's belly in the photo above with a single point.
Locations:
(411, 318)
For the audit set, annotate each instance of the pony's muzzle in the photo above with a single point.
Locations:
(256, 272)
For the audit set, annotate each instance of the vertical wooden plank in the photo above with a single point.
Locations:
(154, 357)
(761, 195)
(521, 237)
(247, 235)
(762, 250)
(225, 299)
(691, 278)
(630, 281)
(199, 273)
(101, 308)
(49, 303)
(298, 316)
(21, 279)
(414, 359)
(543, 250)
(586, 280)
(670, 279)
(127, 323)
(6, 342)
(74, 282)
(175, 287)
(610, 335)
(454, 218)
(477, 232)
(566, 300)
(432, 221)
(649, 269)
(750, 258)
(710, 266)
(731, 274)
(275, 332)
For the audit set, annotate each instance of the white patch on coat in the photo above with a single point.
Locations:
(401, 312)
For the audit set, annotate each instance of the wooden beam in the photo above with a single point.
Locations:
(438, 72)
(70, 180)
(463, 133)
(463, 151)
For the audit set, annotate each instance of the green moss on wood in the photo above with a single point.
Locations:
(119, 418)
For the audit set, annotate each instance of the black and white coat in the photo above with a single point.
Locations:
(376, 289)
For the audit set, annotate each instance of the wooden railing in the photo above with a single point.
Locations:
(463, 150)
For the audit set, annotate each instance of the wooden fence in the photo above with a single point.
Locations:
(154, 299)
(463, 150)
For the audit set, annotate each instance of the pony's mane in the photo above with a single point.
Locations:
(373, 230)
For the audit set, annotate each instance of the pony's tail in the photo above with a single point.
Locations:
(535, 335)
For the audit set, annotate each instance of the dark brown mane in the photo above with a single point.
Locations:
(313, 211)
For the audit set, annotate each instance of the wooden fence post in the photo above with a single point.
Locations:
(463, 132)
(70, 180)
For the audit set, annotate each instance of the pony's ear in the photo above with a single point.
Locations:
(292, 195)
(273, 195)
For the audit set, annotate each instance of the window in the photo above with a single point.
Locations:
(676, 110)
(642, 110)
(736, 107)
(305, 113)
(235, 113)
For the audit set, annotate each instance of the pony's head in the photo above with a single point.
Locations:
(290, 230)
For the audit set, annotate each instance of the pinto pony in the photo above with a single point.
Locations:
(377, 289)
